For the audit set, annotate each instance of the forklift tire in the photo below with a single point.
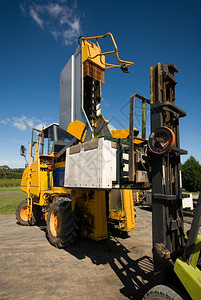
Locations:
(162, 292)
(62, 224)
(21, 214)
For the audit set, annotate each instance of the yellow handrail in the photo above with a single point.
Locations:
(37, 153)
(122, 62)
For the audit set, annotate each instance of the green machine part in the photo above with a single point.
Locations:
(190, 274)
(187, 267)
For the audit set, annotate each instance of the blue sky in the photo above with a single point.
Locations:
(38, 37)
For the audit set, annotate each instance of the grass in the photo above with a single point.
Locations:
(9, 182)
(9, 202)
(9, 188)
(193, 193)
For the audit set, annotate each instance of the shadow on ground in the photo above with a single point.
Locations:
(135, 275)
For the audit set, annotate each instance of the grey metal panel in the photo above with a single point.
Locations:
(65, 95)
(78, 113)
(71, 93)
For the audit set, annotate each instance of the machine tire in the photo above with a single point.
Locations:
(62, 224)
(21, 214)
(37, 213)
(162, 292)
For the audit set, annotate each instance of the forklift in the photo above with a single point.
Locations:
(177, 265)
(80, 175)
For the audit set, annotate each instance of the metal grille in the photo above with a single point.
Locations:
(94, 72)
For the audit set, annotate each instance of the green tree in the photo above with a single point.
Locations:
(191, 175)
(4, 171)
(15, 173)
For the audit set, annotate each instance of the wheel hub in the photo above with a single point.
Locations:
(55, 223)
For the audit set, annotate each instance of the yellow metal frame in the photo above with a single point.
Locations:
(125, 217)
(123, 134)
(93, 207)
(103, 54)
(34, 181)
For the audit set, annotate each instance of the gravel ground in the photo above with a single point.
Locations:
(33, 269)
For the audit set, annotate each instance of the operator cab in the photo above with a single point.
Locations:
(54, 138)
(48, 141)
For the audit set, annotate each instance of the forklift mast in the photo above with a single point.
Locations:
(164, 144)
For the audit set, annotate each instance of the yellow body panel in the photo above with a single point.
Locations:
(98, 208)
(120, 133)
(122, 211)
(93, 207)
(60, 190)
(91, 53)
(44, 179)
(54, 192)
(76, 129)
(25, 179)
(35, 182)
(59, 164)
(124, 135)
(35, 178)
(129, 210)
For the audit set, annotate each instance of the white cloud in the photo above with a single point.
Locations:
(22, 123)
(55, 34)
(30, 123)
(75, 25)
(19, 123)
(111, 127)
(68, 36)
(61, 19)
(36, 17)
(54, 9)
(40, 126)
(6, 121)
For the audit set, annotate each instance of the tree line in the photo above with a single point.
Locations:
(191, 175)
(10, 173)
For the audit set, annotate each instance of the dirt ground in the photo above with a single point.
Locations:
(33, 269)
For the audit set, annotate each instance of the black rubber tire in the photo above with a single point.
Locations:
(37, 213)
(19, 216)
(65, 231)
(162, 292)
